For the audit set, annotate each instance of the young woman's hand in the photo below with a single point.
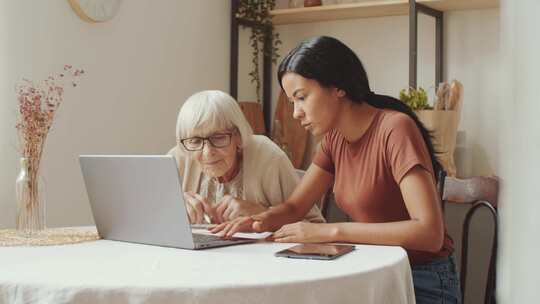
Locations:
(303, 232)
(196, 207)
(230, 208)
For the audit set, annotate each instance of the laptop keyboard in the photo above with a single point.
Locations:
(205, 238)
(209, 241)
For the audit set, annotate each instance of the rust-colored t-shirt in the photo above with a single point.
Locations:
(367, 172)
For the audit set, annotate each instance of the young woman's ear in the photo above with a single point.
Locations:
(340, 93)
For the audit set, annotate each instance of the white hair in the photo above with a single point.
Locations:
(209, 111)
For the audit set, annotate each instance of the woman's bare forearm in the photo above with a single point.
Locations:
(282, 214)
(410, 234)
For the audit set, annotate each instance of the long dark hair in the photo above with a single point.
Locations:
(333, 64)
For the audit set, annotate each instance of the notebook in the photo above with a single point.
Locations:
(138, 198)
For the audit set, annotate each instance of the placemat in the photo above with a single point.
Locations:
(50, 236)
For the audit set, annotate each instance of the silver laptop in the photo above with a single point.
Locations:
(138, 198)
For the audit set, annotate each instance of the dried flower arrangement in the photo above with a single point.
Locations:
(38, 103)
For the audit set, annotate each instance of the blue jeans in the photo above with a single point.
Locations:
(436, 282)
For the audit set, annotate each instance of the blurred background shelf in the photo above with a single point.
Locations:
(367, 9)
(359, 9)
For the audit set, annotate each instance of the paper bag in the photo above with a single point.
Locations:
(443, 126)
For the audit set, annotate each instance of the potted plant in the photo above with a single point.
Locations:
(442, 119)
(257, 12)
(416, 99)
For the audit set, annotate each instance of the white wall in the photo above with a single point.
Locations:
(140, 67)
(520, 146)
(472, 47)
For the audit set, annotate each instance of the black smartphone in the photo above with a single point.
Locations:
(315, 251)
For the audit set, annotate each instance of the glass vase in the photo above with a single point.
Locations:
(30, 219)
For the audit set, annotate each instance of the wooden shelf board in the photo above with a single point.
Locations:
(457, 5)
(373, 8)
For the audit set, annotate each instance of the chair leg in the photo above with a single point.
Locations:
(492, 273)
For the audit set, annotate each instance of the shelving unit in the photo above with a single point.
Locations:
(373, 8)
(362, 9)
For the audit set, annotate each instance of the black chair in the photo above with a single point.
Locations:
(478, 192)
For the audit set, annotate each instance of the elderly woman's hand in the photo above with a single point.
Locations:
(254, 223)
(239, 224)
(231, 207)
(197, 206)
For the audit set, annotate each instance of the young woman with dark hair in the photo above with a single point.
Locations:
(379, 159)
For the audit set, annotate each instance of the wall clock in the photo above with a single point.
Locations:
(95, 10)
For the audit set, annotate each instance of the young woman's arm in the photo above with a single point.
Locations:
(424, 231)
(311, 188)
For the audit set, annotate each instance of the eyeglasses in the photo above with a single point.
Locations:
(220, 140)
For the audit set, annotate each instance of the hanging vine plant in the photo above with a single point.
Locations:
(258, 13)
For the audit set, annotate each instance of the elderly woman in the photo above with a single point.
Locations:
(226, 170)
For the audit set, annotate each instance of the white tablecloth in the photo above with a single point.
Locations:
(116, 272)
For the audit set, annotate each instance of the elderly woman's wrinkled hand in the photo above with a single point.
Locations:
(239, 224)
(253, 223)
(197, 206)
(231, 207)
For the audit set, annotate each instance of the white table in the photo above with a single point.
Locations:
(115, 272)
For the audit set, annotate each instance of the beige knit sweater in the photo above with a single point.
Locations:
(269, 176)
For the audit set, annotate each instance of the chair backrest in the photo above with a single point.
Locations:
(478, 192)
(289, 132)
(254, 114)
